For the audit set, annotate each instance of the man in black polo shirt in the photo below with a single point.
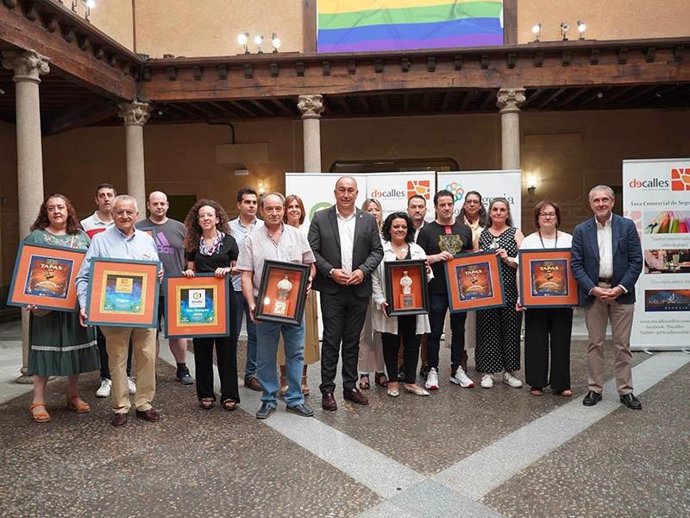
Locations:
(441, 240)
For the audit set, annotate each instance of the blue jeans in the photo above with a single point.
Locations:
(267, 334)
(438, 305)
(250, 367)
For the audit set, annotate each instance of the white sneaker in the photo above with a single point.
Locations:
(131, 385)
(511, 380)
(104, 389)
(432, 380)
(462, 379)
(487, 381)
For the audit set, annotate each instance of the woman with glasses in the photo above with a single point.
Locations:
(498, 329)
(547, 329)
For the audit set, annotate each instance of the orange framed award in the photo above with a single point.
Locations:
(123, 293)
(282, 292)
(474, 282)
(197, 306)
(406, 287)
(44, 277)
(545, 278)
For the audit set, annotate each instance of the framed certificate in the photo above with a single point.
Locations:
(546, 279)
(474, 282)
(123, 293)
(406, 287)
(44, 276)
(282, 293)
(197, 307)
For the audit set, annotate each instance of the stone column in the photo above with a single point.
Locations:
(28, 66)
(135, 115)
(509, 101)
(311, 107)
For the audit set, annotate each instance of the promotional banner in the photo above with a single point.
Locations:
(656, 196)
(489, 183)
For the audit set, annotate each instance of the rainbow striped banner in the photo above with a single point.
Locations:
(375, 25)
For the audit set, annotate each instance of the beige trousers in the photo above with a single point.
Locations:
(597, 317)
(144, 350)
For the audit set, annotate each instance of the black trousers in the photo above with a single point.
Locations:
(407, 326)
(343, 317)
(548, 330)
(100, 342)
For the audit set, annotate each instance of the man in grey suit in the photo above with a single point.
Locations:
(347, 248)
(606, 262)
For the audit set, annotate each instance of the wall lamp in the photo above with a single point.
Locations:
(258, 41)
(581, 28)
(88, 5)
(531, 184)
(243, 39)
(564, 30)
(536, 30)
(275, 42)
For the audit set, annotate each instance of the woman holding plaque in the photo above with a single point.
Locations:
(294, 216)
(210, 249)
(547, 329)
(398, 245)
(370, 349)
(59, 345)
(498, 329)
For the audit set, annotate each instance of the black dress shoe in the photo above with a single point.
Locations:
(119, 419)
(328, 402)
(302, 410)
(151, 415)
(591, 399)
(356, 396)
(631, 401)
(265, 411)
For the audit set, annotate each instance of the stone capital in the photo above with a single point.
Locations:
(135, 113)
(510, 99)
(28, 65)
(311, 106)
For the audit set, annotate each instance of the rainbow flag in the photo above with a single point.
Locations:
(375, 25)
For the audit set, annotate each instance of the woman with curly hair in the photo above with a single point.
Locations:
(58, 344)
(210, 248)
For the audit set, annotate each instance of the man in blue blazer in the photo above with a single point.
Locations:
(347, 248)
(606, 262)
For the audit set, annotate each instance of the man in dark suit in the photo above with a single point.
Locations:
(606, 261)
(347, 247)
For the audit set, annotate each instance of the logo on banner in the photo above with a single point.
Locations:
(319, 206)
(419, 188)
(652, 183)
(456, 189)
(680, 179)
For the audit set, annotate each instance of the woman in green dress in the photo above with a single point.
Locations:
(59, 345)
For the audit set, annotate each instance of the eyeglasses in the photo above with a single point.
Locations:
(128, 213)
(547, 214)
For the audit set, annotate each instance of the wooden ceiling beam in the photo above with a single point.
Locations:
(83, 114)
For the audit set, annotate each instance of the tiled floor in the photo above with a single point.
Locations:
(460, 452)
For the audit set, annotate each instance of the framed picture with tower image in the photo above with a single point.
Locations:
(406, 287)
(282, 292)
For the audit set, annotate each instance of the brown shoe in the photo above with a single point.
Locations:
(328, 402)
(151, 415)
(119, 419)
(252, 383)
(356, 396)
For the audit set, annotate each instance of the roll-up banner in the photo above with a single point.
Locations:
(656, 196)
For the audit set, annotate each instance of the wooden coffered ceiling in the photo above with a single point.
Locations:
(90, 74)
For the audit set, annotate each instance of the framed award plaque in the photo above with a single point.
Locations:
(545, 278)
(282, 293)
(406, 287)
(474, 282)
(123, 293)
(197, 306)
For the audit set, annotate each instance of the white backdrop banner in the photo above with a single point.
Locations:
(490, 184)
(656, 196)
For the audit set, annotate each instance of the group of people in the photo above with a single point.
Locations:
(345, 250)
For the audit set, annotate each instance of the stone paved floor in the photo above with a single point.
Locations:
(461, 452)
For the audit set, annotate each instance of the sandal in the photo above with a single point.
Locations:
(78, 405)
(305, 386)
(536, 391)
(380, 379)
(565, 393)
(206, 403)
(229, 405)
(39, 417)
(364, 382)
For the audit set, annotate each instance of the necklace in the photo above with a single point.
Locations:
(555, 244)
(401, 250)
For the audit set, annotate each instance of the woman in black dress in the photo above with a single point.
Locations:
(211, 249)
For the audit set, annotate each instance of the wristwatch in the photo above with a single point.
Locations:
(330, 273)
